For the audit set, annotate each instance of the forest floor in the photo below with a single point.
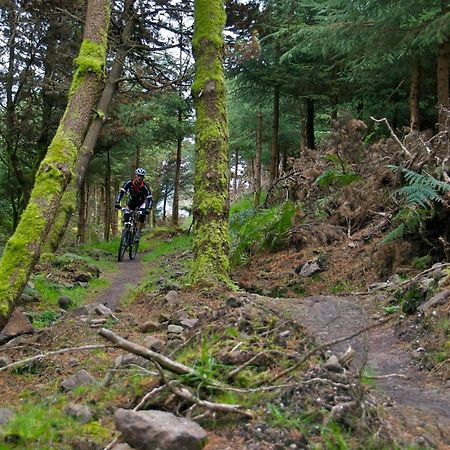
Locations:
(407, 407)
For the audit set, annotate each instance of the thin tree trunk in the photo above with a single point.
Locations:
(211, 206)
(443, 83)
(236, 173)
(275, 130)
(24, 247)
(310, 141)
(68, 202)
(414, 96)
(176, 188)
(108, 202)
(176, 192)
(114, 216)
(82, 213)
(257, 185)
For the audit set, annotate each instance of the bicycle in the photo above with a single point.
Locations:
(130, 228)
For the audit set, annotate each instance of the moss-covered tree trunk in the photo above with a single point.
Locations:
(68, 202)
(211, 197)
(57, 169)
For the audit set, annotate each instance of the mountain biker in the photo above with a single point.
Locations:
(139, 197)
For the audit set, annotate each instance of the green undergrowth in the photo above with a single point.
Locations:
(168, 257)
(255, 229)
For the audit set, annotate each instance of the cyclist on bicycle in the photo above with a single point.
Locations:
(139, 197)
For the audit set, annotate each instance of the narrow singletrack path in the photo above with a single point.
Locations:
(128, 275)
(421, 408)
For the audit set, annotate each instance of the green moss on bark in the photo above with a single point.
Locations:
(17, 256)
(90, 59)
(211, 199)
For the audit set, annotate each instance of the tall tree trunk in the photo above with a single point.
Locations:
(443, 83)
(114, 216)
(211, 206)
(236, 173)
(176, 191)
(274, 158)
(108, 202)
(257, 184)
(82, 213)
(176, 188)
(56, 170)
(310, 140)
(414, 96)
(68, 202)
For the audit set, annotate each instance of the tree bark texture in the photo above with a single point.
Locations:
(414, 96)
(57, 169)
(68, 202)
(176, 189)
(211, 204)
(275, 131)
(257, 185)
(310, 141)
(443, 83)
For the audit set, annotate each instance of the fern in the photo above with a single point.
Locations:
(422, 189)
(420, 193)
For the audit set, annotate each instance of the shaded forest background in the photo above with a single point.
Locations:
(293, 67)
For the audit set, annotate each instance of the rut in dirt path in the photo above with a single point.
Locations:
(129, 274)
(417, 403)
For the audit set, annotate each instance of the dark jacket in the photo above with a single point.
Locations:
(138, 193)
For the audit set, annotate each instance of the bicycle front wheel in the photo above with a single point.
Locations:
(123, 244)
(134, 249)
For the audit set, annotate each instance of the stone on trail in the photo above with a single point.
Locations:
(80, 378)
(17, 325)
(159, 430)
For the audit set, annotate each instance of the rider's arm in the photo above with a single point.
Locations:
(148, 197)
(123, 190)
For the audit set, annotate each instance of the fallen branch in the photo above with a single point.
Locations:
(185, 394)
(383, 377)
(323, 346)
(167, 363)
(408, 153)
(55, 352)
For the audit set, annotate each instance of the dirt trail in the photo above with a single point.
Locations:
(418, 407)
(126, 278)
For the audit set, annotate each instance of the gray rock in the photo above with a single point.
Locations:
(310, 268)
(333, 364)
(17, 325)
(131, 359)
(173, 298)
(158, 430)
(439, 299)
(150, 325)
(189, 323)
(153, 343)
(80, 378)
(64, 302)
(5, 415)
(81, 412)
(174, 329)
(122, 447)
